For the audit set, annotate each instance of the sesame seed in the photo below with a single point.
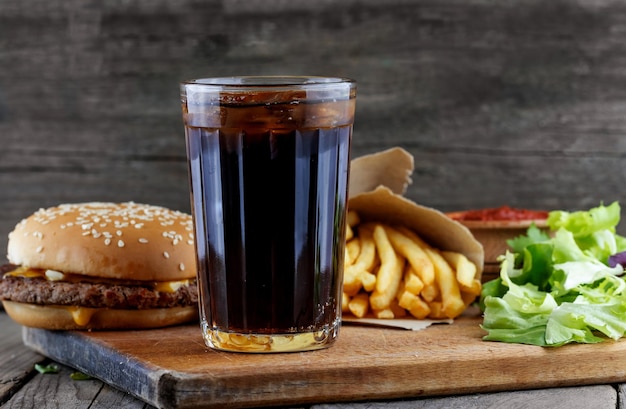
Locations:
(120, 243)
(119, 232)
(166, 254)
(107, 241)
(181, 266)
(54, 275)
(142, 240)
(39, 249)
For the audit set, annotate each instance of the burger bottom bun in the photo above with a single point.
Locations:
(54, 317)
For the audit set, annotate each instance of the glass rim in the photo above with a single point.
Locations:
(269, 81)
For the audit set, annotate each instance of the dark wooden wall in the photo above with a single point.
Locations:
(519, 102)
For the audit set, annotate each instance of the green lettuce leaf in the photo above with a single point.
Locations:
(567, 325)
(533, 235)
(574, 322)
(585, 223)
(559, 289)
(506, 324)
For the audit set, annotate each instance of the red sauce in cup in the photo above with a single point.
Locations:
(500, 213)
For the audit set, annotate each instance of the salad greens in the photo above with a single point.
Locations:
(79, 376)
(560, 288)
(44, 369)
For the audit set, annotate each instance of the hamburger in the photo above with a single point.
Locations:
(101, 266)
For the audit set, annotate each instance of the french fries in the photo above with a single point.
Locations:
(363, 264)
(391, 272)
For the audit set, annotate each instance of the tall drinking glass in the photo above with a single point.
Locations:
(269, 165)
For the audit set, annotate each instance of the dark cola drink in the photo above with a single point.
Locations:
(269, 169)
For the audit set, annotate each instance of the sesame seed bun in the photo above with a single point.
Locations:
(111, 240)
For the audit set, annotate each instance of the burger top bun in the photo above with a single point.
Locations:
(112, 240)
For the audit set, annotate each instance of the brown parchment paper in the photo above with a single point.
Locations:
(392, 168)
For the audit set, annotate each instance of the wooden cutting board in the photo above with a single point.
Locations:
(172, 368)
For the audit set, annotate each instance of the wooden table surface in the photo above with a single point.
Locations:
(519, 103)
(21, 386)
(514, 102)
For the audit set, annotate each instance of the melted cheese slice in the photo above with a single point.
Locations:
(52, 275)
(81, 315)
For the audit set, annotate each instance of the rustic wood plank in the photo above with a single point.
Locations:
(172, 367)
(599, 397)
(53, 390)
(621, 396)
(17, 363)
(59, 390)
(21, 386)
(518, 103)
(111, 398)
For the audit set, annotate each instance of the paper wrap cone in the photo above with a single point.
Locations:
(377, 185)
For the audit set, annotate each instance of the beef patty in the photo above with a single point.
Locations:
(94, 295)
